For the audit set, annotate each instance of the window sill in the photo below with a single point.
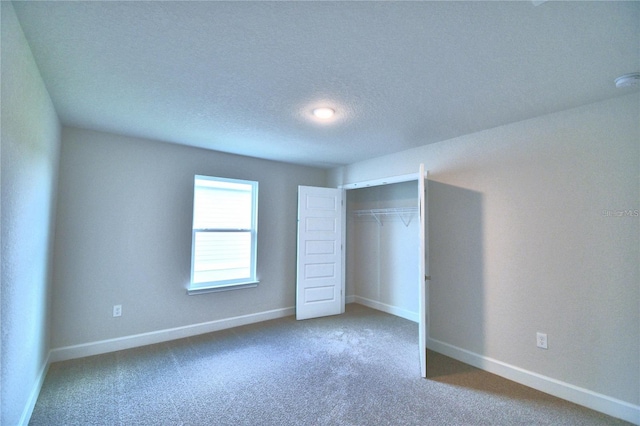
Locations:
(224, 287)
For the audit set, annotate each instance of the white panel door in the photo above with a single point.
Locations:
(319, 276)
(423, 271)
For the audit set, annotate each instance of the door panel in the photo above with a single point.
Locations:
(423, 273)
(319, 276)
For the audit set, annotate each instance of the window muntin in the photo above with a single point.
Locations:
(224, 233)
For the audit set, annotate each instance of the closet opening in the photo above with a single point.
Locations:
(382, 243)
(386, 249)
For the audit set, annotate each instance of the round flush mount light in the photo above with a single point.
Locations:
(628, 80)
(323, 113)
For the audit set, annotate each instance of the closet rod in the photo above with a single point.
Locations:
(404, 213)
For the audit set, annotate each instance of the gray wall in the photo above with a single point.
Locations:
(124, 236)
(30, 149)
(519, 242)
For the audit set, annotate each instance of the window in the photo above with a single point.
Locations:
(224, 234)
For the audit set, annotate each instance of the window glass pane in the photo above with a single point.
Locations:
(222, 208)
(221, 256)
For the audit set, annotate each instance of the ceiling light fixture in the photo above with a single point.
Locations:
(323, 113)
(628, 80)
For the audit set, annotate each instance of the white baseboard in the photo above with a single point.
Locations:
(593, 400)
(128, 342)
(35, 392)
(393, 310)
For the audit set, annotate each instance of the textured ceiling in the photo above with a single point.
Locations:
(242, 77)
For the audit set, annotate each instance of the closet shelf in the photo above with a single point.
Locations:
(404, 213)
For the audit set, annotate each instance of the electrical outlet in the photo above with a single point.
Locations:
(117, 310)
(541, 340)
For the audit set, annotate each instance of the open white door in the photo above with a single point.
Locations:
(319, 276)
(423, 271)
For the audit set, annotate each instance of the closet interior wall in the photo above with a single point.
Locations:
(382, 248)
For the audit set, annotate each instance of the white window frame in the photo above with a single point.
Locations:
(234, 283)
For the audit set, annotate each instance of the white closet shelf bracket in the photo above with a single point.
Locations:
(404, 213)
